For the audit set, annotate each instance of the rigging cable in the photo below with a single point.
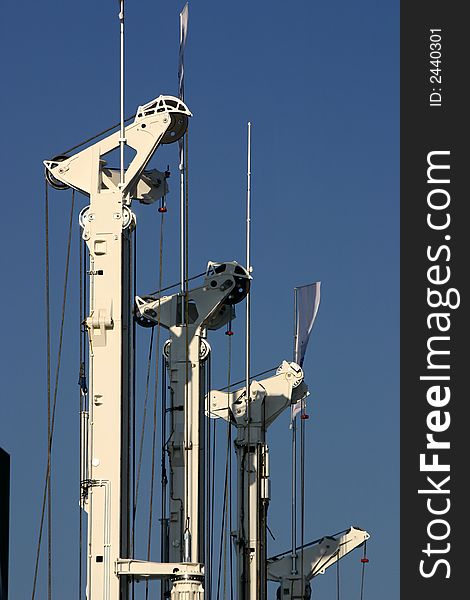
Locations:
(80, 405)
(82, 394)
(227, 501)
(187, 442)
(251, 378)
(337, 576)
(164, 555)
(214, 445)
(154, 433)
(51, 413)
(209, 475)
(294, 493)
(364, 561)
(222, 546)
(173, 285)
(94, 137)
(247, 549)
(294, 460)
(144, 418)
(227, 509)
(302, 493)
(228, 485)
(309, 544)
(230, 512)
(133, 397)
(186, 209)
(48, 344)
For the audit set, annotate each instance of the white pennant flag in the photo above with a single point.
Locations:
(296, 408)
(183, 35)
(308, 301)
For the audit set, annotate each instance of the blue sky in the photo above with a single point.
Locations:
(320, 83)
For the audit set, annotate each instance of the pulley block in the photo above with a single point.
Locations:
(53, 181)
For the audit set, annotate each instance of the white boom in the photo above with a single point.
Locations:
(316, 557)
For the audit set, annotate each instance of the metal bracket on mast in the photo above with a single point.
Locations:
(268, 398)
(97, 326)
(142, 569)
(210, 306)
(316, 558)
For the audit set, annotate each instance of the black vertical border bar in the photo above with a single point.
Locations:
(429, 128)
(4, 521)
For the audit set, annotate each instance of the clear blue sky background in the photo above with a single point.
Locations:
(320, 82)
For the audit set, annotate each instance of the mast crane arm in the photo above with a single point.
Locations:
(268, 397)
(317, 556)
(161, 121)
(210, 306)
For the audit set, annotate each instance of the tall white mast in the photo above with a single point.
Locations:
(107, 225)
(266, 400)
(209, 308)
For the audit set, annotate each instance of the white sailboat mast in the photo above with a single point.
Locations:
(107, 225)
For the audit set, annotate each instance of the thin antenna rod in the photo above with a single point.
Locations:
(247, 550)
(183, 224)
(294, 498)
(248, 260)
(296, 322)
(248, 202)
(122, 138)
(294, 457)
(182, 219)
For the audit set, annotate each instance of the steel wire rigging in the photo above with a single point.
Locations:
(226, 517)
(154, 420)
(83, 394)
(51, 397)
